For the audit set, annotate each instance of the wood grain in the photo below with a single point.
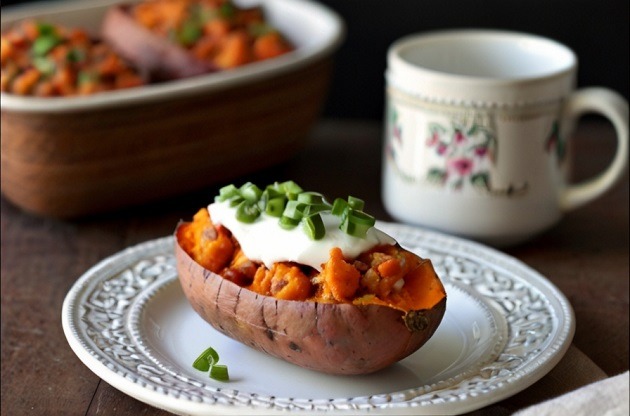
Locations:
(586, 256)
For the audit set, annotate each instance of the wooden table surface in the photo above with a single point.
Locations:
(585, 255)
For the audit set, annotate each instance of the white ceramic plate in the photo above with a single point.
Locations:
(505, 327)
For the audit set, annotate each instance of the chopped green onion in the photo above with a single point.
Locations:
(44, 44)
(315, 209)
(86, 77)
(75, 55)
(314, 227)
(273, 192)
(213, 356)
(357, 223)
(250, 192)
(207, 361)
(339, 207)
(310, 198)
(275, 206)
(247, 212)
(189, 33)
(202, 363)
(360, 217)
(356, 203)
(290, 187)
(292, 205)
(226, 193)
(294, 210)
(45, 29)
(44, 65)
(219, 372)
(236, 201)
(227, 10)
(288, 223)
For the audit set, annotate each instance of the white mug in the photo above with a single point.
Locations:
(476, 131)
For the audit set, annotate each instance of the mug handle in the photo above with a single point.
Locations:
(615, 108)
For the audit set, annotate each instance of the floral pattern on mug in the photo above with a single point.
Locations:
(395, 133)
(465, 153)
(555, 143)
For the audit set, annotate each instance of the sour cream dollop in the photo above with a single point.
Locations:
(266, 242)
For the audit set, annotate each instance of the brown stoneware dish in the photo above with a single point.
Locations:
(73, 156)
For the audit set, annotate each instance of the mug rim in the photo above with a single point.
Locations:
(438, 85)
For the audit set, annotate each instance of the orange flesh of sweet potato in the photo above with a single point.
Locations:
(234, 52)
(270, 46)
(339, 281)
(209, 246)
(340, 278)
(288, 282)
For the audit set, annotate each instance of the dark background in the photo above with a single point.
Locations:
(596, 29)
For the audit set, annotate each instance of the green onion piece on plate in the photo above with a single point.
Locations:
(219, 372)
(206, 359)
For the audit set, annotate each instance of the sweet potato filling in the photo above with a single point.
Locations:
(386, 275)
(217, 31)
(48, 60)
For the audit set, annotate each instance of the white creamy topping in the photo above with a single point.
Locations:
(266, 242)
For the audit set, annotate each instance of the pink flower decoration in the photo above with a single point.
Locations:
(462, 166)
(441, 149)
(481, 151)
(433, 140)
(459, 137)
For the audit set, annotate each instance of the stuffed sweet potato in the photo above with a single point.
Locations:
(348, 314)
(180, 38)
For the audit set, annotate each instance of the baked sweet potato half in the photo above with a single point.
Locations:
(353, 316)
(173, 39)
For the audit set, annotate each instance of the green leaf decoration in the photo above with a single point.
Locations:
(481, 180)
(436, 175)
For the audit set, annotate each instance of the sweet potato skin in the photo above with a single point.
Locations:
(335, 338)
(148, 51)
